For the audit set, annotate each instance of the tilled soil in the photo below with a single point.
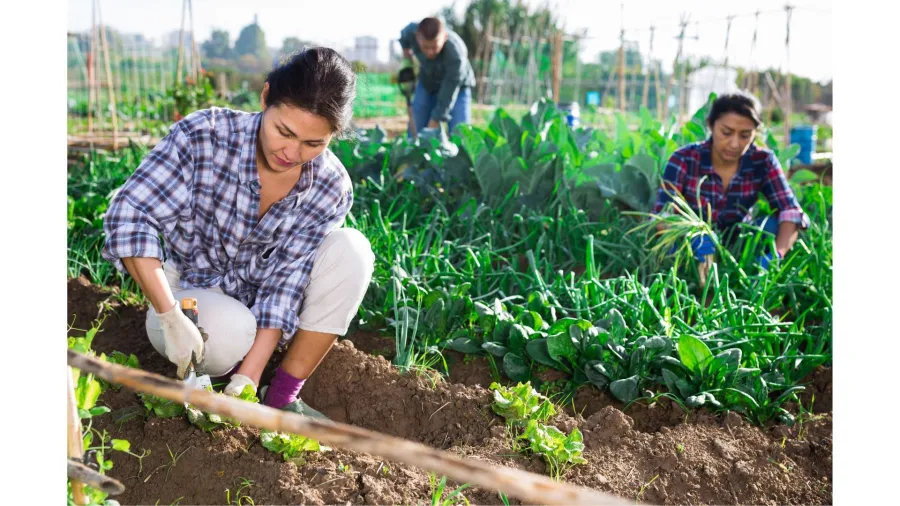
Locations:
(654, 454)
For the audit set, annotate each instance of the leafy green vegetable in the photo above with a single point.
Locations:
(559, 451)
(290, 446)
(521, 403)
(163, 408)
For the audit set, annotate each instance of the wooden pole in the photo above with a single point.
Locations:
(75, 450)
(486, 54)
(682, 90)
(86, 475)
(180, 45)
(753, 77)
(646, 94)
(620, 94)
(683, 24)
(92, 58)
(786, 96)
(774, 97)
(528, 487)
(578, 69)
(727, 37)
(658, 82)
(109, 84)
(195, 54)
(556, 63)
(137, 75)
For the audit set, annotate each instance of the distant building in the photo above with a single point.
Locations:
(818, 113)
(365, 50)
(137, 41)
(171, 39)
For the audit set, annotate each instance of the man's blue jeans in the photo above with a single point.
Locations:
(424, 103)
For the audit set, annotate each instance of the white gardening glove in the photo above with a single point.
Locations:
(181, 338)
(237, 384)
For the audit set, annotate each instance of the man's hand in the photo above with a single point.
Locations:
(433, 124)
(181, 337)
(407, 53)
(237, 384)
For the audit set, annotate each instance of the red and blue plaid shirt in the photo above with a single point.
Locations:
(199, 188)
(690, 168)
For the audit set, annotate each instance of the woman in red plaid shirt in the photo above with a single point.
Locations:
(730, 171)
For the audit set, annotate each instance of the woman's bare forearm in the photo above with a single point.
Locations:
(148, 273)
(263, 347)
(787, 235)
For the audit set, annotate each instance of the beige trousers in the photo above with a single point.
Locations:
(340, 276)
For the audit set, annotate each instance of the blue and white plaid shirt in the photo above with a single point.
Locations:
(199, 188)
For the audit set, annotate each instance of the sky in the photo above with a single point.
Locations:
(336, 22)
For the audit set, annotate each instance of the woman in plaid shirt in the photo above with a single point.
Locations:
(250, 207)
(730, 171)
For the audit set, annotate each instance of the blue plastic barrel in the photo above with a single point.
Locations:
(805, 136)
(592, 98)
(572, 112)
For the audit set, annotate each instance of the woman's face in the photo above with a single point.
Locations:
(290, 136)
(732, 136)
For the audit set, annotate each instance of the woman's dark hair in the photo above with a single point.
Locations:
(739, 102)
(318, 80)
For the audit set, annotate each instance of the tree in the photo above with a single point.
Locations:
(218, 45)
(252, 41)
(292, 44)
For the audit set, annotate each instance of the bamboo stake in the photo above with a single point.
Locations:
(91, 67)
(682, 90)
(109, 84)
(556, 63)
(73, 437)
(620, 95)
(528, 487)
(195, 54)
(180, 45)
(487, 55)
(788, 92)
(658, 82)
(665, 110)
(646, 93)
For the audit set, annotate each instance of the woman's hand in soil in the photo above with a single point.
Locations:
(237, 384)
(182, 338)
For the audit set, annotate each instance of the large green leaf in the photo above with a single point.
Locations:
(561, 346)
(617, 327)
(516, 367)
(518, 337)
(726, 362)
(669, 378)
(694, 353)
(487, 173)
(804, 176)
(464, 345)
(501, 332)
(472, 139)
(626, 390)
(561, 325)
(538, 350)
(495, 349)
(504, 125)
(597, 374)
